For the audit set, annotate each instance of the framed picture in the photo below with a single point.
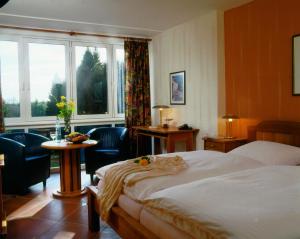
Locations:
(177, 88)
(295, 66)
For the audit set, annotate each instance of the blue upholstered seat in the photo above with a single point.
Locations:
(26, 162)
(111, 147)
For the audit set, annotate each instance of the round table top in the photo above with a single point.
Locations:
(63, 145)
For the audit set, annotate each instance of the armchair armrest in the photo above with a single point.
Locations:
(123, 136)
(13, 151)
(124, 144)
(33, 144)
(36, 139)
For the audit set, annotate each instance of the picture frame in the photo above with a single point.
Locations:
(295, 65)
(177, 88)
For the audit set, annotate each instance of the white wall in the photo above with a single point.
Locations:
(196, 47)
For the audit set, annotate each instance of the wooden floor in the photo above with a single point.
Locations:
(39, 215)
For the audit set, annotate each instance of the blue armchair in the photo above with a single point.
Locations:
(26, 163)
(111, 147)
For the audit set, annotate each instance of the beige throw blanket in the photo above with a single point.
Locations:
(114, 178)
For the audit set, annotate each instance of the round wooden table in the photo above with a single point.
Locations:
(70, 176)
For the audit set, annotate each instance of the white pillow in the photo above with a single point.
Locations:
(270, 153)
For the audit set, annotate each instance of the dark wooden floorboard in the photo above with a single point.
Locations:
(39, 215)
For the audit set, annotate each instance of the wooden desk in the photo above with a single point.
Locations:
(170, 135)
(70, 175)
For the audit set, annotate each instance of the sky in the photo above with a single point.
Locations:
(47, 63)
(9, 71)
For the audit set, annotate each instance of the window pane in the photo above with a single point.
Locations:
(47, 77)
(120, 81)
(10, 78)
(91, 80)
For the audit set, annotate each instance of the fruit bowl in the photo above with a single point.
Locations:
(76, 138)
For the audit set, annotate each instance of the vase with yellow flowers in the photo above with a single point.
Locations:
(66, 109)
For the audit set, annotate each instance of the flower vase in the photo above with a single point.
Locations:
(67, 128)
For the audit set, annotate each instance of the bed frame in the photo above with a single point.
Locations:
(284, 132)
(127, 227)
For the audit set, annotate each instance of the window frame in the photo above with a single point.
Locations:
(23, 38)
(20, 51)
(109, 80)
(115, 82)
(27, 41)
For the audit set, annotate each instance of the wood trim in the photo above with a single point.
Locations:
(3, 228)
(126, 226)
(286, 132)
(93, 209)
(73, 33)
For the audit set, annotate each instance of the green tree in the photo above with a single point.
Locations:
(91, 85)
(57, 90)
(38, 108)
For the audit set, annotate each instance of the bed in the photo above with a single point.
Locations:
(127, 225)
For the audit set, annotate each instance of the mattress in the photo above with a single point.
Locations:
(130, 206)
(161, 228)
(158, 227)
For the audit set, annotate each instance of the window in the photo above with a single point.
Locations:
(47, 77)
(36, 72)
(91, 80)
(9, 68)
(120, 80)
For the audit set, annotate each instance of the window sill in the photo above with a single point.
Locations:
(73, 122)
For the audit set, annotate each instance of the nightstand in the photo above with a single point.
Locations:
(221, 144)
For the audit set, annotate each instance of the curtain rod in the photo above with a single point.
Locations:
(73, 33)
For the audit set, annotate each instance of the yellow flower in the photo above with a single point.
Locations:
(143, 162)
(60, 105)
(71, 104)
(63, 97)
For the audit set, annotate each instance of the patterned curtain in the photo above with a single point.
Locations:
(137, 86)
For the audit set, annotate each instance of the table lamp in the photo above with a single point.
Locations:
(161, 108)
(229, 118)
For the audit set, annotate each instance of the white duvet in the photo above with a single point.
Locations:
(262, 203)
(201, 164)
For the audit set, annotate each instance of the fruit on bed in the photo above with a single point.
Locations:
(143, 161)
(76, 137)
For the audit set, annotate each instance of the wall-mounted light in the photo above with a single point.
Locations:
(229, 118)
(161, 108)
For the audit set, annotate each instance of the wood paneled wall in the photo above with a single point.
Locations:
(258, 61)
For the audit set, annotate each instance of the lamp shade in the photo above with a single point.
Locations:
(230, 116)
(160, 107)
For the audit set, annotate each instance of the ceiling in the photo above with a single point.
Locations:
(127, 17)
